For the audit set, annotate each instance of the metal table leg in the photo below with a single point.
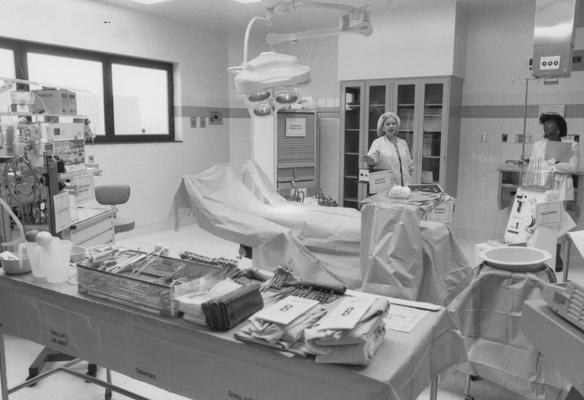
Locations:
(3, 380)
(434, 388)
(567, 263)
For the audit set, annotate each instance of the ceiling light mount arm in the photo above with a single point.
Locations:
(347, 22)
(289, 6)
(267, 20)
(271, 80)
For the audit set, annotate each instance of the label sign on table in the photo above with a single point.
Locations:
(286, 310)
(347, 314)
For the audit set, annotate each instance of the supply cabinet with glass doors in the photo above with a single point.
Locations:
(429, 110)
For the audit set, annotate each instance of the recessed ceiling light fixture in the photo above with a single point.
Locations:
(148, 2)
(248, 1)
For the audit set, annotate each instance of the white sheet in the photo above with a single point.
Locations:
(237, 202)
(383, 249)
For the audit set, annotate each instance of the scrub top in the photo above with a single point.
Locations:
(562, 171)
(394, 157)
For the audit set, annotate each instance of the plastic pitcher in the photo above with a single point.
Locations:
(56, 260)
(35, 260)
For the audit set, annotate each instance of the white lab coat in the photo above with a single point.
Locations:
(562, 171)
(384, 153)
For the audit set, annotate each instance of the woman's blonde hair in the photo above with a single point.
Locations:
(382, 118)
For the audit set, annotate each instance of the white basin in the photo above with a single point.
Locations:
(516, 259)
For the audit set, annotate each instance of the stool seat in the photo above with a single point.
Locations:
(113, 195)
(123, 225)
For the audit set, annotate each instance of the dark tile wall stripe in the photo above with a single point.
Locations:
(499, 111)
(516, 111)
(194, 111)
(471, 111)
(574, 111)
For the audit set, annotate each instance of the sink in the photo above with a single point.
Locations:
(516, 259)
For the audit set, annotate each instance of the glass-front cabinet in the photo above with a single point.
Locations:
(351, 126)
(421, 109)
(429, 111)
(363, 102)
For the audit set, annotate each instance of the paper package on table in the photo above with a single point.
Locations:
(356, 346)
(311, 332)
(267, 326)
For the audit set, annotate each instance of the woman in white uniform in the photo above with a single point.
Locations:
(554, 129)
(388, 152)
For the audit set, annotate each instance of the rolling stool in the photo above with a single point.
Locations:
(113, 195)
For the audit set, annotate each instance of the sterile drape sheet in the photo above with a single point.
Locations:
(237, 202)
(488, 313)
(404, 257)
(194, 362)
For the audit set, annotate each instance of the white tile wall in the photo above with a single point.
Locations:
(478, 216)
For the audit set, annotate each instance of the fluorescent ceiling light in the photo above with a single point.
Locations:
(149, 1)
(248, 1)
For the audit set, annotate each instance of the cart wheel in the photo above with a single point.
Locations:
(32, 372)
(91, 370)
(468, 397)
(108, 394)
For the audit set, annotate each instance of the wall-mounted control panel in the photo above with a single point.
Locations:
(549, 63)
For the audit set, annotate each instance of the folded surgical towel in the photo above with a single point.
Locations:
(293, 332)
(356, 346)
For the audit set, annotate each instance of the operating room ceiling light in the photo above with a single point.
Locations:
(148, 2)
(272, 80)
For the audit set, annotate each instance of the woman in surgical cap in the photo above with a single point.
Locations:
(389, 152)
(554, 129)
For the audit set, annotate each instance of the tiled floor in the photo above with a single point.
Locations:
(20, 353)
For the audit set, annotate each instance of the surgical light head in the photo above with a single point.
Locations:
(272, 80)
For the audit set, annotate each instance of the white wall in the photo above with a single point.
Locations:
(460, 30)
(499, 46)
(200, 57)
(406, 42)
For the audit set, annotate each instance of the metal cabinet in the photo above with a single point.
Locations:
(429, 110)
(94, 226)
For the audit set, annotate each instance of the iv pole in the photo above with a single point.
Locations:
(523, 159)
(524, 123)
